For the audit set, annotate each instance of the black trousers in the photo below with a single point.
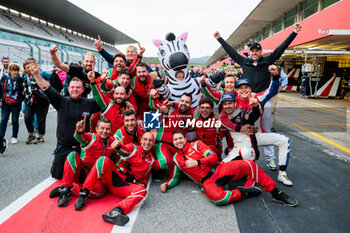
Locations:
(60, 155)
(40, 109)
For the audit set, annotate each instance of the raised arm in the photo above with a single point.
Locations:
(44, 85)
(99, 97)
(272, 90)
(56, 61)
(137, 59)
(213, 95)
(275, 55)
(231, 51)
(80, 135)
(107, 56)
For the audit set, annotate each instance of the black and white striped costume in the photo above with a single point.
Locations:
(173, 55)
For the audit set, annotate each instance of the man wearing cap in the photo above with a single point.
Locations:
(200, 163)
(240, 124)
(246, 102)
(255, 69)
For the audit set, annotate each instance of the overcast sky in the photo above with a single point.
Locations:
(145, 20)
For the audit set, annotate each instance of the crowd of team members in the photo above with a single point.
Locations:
(112, 151)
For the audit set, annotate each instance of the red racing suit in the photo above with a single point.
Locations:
(130, 138)
(108, 89)
(164, 148)
(136, 168)
(213, 176)
(142, 91)
(135, 163)
(109, 109)
(112, 82)
(210, 135)
(77, 166)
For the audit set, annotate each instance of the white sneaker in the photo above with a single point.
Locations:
(283, 178)
(271, 165)
(14, 140)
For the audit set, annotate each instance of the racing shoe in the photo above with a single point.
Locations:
(249, 192)
(280, 196)
(65, 196)
(82, 199)
(56, 192)
(271, 165)
(283, 178)
(116, 217)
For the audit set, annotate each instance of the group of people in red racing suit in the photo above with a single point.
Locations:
(119, 153)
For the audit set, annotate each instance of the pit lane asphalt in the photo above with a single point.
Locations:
(321, 184)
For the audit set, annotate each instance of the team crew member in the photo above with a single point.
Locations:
(128, 180)
(255, 69)
(69, 111)
(230, 81)
(131, 132)
(76, 71)
(235, 117)
(201, 164)
(11, 100)
(119, 63)
(123, 80)
(112, 109)
(131, 55)
(210, 135)
(142, 85)
(78, 165)
(164, 148)
(243, 102)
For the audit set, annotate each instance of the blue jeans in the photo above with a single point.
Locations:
(36, 127)
(5, 114)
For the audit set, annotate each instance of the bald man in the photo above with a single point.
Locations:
(112, 109)
(127, 180)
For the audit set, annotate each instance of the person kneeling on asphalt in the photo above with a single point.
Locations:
(78, 165)
(201, 164)
(128, 179)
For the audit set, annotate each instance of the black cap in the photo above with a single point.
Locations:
(255, 45)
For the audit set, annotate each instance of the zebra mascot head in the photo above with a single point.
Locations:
(173, 53)
(174, 56)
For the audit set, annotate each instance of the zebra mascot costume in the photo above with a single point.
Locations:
(173, 55)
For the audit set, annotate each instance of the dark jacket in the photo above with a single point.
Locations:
(14, 87)
(258, 75)
(69, 112)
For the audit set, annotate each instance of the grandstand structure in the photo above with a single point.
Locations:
(29, 28)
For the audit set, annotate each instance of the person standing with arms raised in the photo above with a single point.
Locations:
(255, 69)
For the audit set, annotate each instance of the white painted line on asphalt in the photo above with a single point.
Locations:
(132, 215)
(304, 100)
(15, 206)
